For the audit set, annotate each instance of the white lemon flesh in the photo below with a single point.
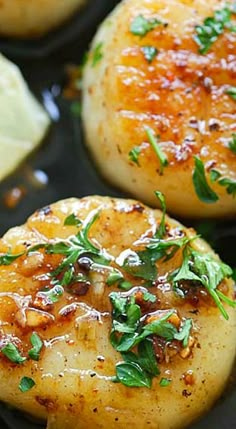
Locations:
(23, 121)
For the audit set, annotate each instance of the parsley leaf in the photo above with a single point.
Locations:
(161, 327)
(8, 258)
(72, 219)
(165, 382)
(184, 333)
(228, 183)
(150, 52)
(147, 296)
(134, 154)
(212, 28)
(132, 375)
(53, 295)
(143, 263)
(140, 265)
(154, 143)
(202, 189)
(231, 91)
(37, 346)
(13, 354)
(97, 54)
(146, 357)
(114, 277)
(206, 270)
(232, 143)
(146, 360)
(131, 329)
(26, 384)
(162, 228)
(140, 26)
(74, 248)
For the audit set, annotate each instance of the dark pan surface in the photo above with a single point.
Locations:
(71, 172)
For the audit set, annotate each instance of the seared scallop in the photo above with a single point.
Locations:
(159, 93)
(33, 18)
(112, 314)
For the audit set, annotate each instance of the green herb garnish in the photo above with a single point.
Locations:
(147, 296)
(143, 263)
(231, 91)
(114, 277)
(26, 384)
(132, 375)
(202, 189)
(162, 227)
(54, 294)
(140, 26)
(154, 143)
(134, 154)
(97, 54)
(165, 382)
(125, 285)
(149, 53)
(37, 346)
(74, 248)
(184, 333)
(129, 332)
(212, 28)
(206, 271)
(72, 219)
(8, 258)
(232, 143)
(228, 183)
(13, 354)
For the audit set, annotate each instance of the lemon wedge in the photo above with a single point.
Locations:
(23, 121)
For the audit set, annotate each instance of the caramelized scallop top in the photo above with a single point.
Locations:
(153, 72)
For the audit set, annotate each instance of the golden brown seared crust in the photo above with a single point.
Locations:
(72, 376)
(180, 94)
(34, 18)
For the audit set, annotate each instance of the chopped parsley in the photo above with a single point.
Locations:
(161, 231)
(26, 384)
(8, 258)
(154, 143)
(134, 154)
(132, 375)
(184, 333)
(212, 28)
(133, 338)
(205, 270)
(202, 188)
(13, 354)
(228, 183)
(165, 382)
(72, 219)
(37, 346)
(97, 54)
(231, 91)
(114, 277)
(72, 249)
(140, 25)
(150, 52)
(232, 143)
